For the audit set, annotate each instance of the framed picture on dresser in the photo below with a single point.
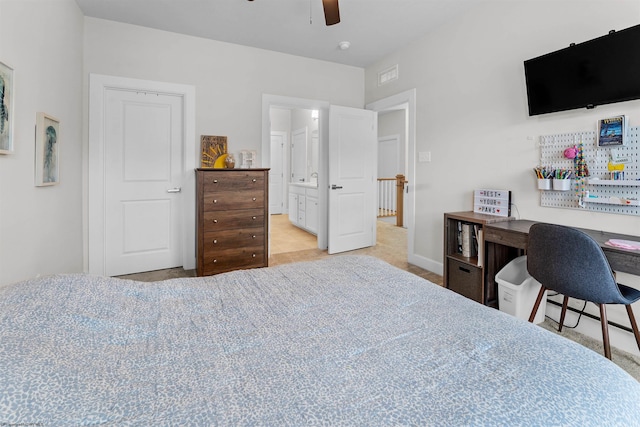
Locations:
(213, 151)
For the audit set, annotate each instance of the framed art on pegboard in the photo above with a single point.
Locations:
(612, 132)
(6, 109)
(47, 142)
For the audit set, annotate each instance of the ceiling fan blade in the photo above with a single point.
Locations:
(331, 11)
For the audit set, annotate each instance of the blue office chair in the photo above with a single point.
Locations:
(572, 263)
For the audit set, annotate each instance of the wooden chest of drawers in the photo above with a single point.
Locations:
(232, 219)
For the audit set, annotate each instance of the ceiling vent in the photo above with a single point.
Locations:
(388, 75)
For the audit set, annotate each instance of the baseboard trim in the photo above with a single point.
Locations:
(426, 263)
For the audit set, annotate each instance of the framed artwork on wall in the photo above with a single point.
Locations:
(6, 109)
(47, 141)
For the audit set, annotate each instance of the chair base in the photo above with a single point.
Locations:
(604, 324)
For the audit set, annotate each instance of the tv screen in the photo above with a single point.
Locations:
(600, 71)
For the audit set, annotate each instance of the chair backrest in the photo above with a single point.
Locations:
(570, 262)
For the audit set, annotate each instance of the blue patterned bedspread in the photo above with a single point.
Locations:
(345, 341)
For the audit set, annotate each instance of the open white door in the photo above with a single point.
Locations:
(353, 140)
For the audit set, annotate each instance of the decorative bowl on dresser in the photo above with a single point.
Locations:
(232, 208)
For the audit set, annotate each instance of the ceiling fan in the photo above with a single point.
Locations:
(331, 12)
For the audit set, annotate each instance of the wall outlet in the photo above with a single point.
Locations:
(424, 156)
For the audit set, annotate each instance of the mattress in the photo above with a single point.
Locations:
(347, 340)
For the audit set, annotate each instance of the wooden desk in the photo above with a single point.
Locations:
(515, 234)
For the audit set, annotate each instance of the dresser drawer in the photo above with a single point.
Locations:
(225, 220)
(215, 261)
(233, 200)
(233, 181)
(229, 239)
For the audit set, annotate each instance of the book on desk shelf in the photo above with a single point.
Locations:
(469, 241)
(479, 244)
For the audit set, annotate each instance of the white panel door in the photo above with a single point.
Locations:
(276, 173)
(143, 172)
(352, 178)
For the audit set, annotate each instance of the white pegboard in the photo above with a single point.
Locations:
(597, 193)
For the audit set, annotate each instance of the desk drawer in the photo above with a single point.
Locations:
(465, 279)
(513, 239)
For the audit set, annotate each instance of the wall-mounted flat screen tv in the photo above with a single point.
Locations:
(600, 71)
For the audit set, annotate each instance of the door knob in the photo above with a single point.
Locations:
(335, 187)
(174, 190)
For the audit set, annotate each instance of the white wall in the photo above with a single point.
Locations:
(41, 227)
(472, 110)
(394, 123)
(280, 119)
(229, 79)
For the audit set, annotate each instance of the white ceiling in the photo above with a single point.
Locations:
(374, 28)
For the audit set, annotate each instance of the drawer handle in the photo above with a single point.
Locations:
(215, 260)
(215, 200)
(215, 241)
(254, 180)
(254, 199)
(215, 181)
(253, 217)
(254, 236)
(466, 270)
(215, 221)
(254, 255)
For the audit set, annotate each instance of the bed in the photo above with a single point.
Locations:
(347, 340)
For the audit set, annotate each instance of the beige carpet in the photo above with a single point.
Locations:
(626, 361)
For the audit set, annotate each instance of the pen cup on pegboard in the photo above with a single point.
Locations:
(562, 184)
(543, 175)
(544, 183)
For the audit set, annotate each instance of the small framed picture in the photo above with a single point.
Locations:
(47, 148)
(6, 109)
(612, 132)
(213, 150)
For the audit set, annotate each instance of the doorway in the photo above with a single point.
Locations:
(405, 101)
(293, 175)
(351, 128)
(283, 103)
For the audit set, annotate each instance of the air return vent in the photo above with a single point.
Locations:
(388, 75)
